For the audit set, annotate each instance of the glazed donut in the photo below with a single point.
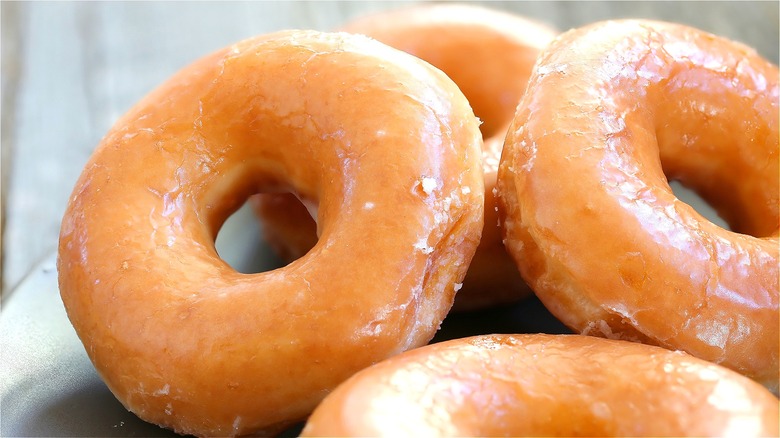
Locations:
(489, 54)
(613, 110)
(545, 385)
(376, 138)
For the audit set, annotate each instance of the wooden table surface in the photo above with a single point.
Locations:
(70, 69)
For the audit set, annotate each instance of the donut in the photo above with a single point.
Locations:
(375, 138)
(612, 112)
(545, 385)
(489, 54)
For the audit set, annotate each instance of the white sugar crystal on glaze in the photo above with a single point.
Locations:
(164, 390)
(422, 245)
(428, 184)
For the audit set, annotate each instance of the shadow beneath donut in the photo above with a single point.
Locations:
(527, 316)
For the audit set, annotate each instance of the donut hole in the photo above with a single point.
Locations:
(692, 198)
(288, 225)
(240, 244)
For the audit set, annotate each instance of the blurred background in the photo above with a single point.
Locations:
(69, 69)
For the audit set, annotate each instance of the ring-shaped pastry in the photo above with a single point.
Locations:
(386, 145)
(612, 112)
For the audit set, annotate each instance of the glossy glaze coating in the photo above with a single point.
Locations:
(613, 110)
(385, 146)
(489, 54)
(545, 385)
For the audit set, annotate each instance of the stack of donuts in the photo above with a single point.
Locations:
(427, 157)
